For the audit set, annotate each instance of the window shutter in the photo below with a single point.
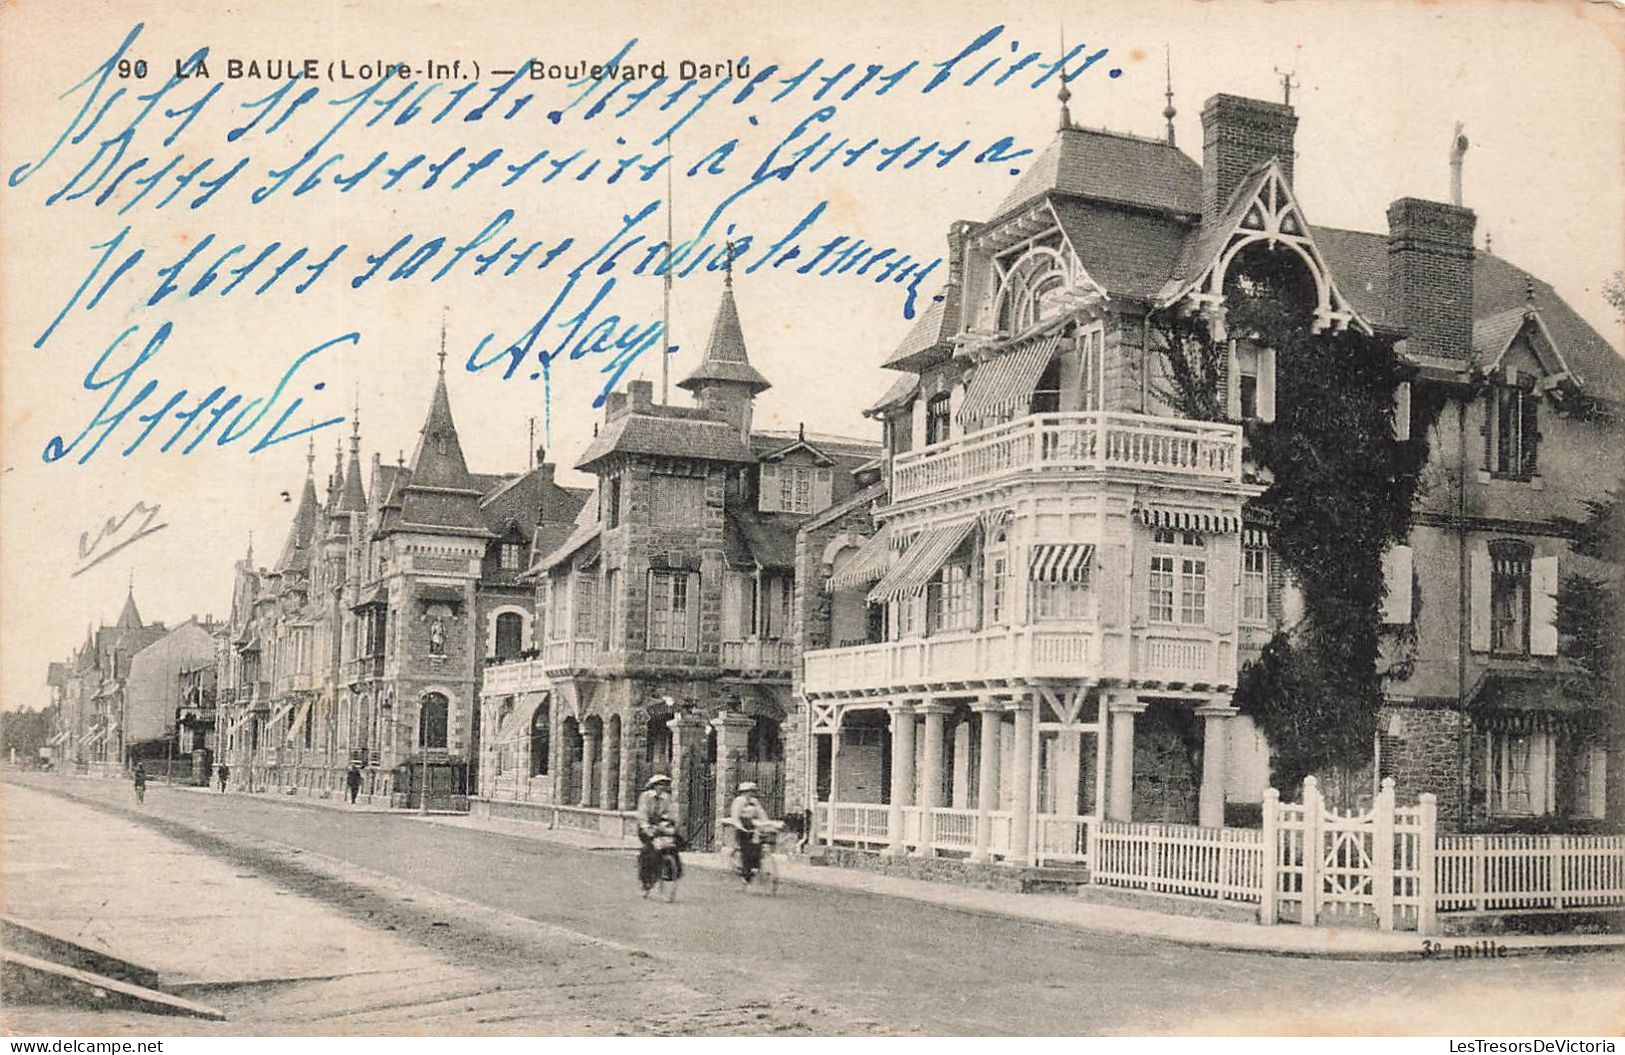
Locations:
(917, 420)
(694, 605)
(1543, 606)
(771, 498)
(1478, 595)
(823, 490)
(1488, 431)
(1529, 431)
(1232, 383)
(1266, 384)
(1402, 411)
(1396, 576)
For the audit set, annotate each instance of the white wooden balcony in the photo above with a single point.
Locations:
(1058, 651)
(867, 825)
(514, 676)
(1191, 450)
(570, 654)
(1184, 655)
(757, 656)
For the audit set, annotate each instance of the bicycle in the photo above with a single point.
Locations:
(766, 834)
(668, 869)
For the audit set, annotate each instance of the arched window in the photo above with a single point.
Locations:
(432, 721)
(510, 635)
(1029, 290)
(541, 739)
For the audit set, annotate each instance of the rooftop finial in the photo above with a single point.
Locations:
(1529, 294)
(310, 456)
(1168, 111)
(1489, 242)
(442, 342)
(1065, 94)
(728, 266)
(355, 424)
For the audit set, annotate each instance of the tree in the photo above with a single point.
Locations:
(1340, 492)
(1591, 620)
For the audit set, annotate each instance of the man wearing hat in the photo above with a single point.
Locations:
(657, 817)
(745, 813)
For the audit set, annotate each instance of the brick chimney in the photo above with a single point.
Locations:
(614, 403)
(1430, 276)
(642, 394)
(1237, 135)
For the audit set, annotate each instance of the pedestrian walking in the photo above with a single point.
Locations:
(223, 771)
(140, 776)
(352, 780)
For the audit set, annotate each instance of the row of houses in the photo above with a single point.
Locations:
(1026, 607)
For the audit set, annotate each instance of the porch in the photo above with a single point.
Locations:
(1015, 778)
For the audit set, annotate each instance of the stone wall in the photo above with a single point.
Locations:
(1426, 750)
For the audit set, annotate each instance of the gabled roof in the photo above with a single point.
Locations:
(657, 431)
(1111, 167)
(1593, 363)
(725, 356)
(775, 452)
(529, 500)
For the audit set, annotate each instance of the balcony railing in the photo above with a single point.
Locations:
(1176, 654)
(1188, 449)
(514, 676)
(757, 656)
(1060, 651)
(570, 654)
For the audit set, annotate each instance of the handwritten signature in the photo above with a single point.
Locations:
(114, 536)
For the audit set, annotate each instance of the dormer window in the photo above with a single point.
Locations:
(511, 556)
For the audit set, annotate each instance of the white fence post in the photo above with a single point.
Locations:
(1427, 858)
(1313, 851)
(1554, 848)
(1382, 854)
(1269, 881)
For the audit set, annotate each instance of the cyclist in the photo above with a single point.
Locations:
(747, 814)
(140, 783)
(657, 831)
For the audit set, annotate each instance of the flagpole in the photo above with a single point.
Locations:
(665, 300)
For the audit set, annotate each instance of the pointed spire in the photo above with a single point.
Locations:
(1168, 111)
(130, 617)
(302, 532)
(1065, 94)
(438, 490)
(354, 497)
(726, 359)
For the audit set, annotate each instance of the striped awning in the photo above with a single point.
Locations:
(1001, 385)
(1255, 538)
(281, 711)
(873, 559)
(299, 719)
(1510, 567)
(1060, 561)
(93, 737)
(922, 560)
(242, 719)
(1188, 519)
(57, 739)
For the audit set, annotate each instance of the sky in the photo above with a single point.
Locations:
(1378, 91)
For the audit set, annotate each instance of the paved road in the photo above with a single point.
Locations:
(876, 964)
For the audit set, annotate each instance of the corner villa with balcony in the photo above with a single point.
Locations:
(1035, 625)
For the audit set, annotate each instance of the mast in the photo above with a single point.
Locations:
(665, 298)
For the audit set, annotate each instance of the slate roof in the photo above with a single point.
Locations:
(1491, 335)
(658, 431)
(1112, 167)
(901, 391)
(1359, 260)
(767, 540)
(129, 618)
(725, 356)
(1131, 254)
(301, 534)
(931, 337)
(531, 499)
(439, 492)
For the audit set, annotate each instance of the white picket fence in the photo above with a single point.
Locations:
(1311, 865)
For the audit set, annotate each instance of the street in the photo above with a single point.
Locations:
(562, 934)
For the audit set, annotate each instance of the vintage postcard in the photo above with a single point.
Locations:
(734, 519)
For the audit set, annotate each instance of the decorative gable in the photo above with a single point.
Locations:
(1263, 210)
